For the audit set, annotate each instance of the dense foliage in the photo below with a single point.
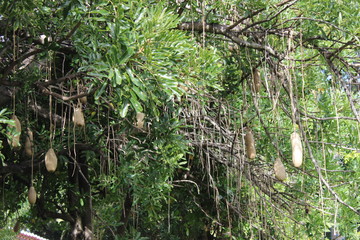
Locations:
(189, 69)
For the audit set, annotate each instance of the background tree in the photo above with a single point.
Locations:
(168, 91)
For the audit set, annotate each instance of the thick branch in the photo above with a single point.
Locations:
(223, 30)
(18, 168)
(54, 215)
(62, 79)
(59, 96)
(57, 119)
(13, 64)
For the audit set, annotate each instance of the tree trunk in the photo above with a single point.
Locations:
(125, 214)
(80, 208)
(85, 190)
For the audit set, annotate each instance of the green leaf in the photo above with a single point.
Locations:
(127, 53)
(133, 79)
(118, 78)
(140, 93)
(3, 111)
(101, 91)
(135, 103)
(5, 121)
(124, 109)
(101, 11)
(111, 74)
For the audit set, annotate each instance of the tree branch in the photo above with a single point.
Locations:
(61, 97)
(57, 119)
(62, 79)
(223, 30)
(13, 64)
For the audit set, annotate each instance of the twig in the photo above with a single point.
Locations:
(336, 145)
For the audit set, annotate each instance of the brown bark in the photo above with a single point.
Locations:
(85, 190)
(125, 214)
(79, 179)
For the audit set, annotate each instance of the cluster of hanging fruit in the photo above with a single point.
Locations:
(297, 155)
(50, 156)
(296, 146)
(14, 133)
(51, 165)
(279, 168)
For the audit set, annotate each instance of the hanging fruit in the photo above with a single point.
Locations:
(140, 120)
(78, 117)
(29, 143)
(279, 169)
(32, 195)
(15, 134)
(256, 80)
(16, 227)
(297, 152)
(184, 86)
(83, 100)
(51, 160)
(250, 144)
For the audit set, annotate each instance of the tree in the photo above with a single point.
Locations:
(168, 91)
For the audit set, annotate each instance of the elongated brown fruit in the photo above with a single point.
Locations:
(29, 143)
(32, 195)
(51, 160)
(297, 152)
(78, 117)
(140, 120)
(279, 169)
(256, 81)
(15, 138)
(17, 226)
(250, 145)
(83, 100)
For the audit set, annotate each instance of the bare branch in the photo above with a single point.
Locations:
(244, 18)
(61, 97)
(62, 79)
(223, 30)
(13, 64)
(336, 145)
(57, 119)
